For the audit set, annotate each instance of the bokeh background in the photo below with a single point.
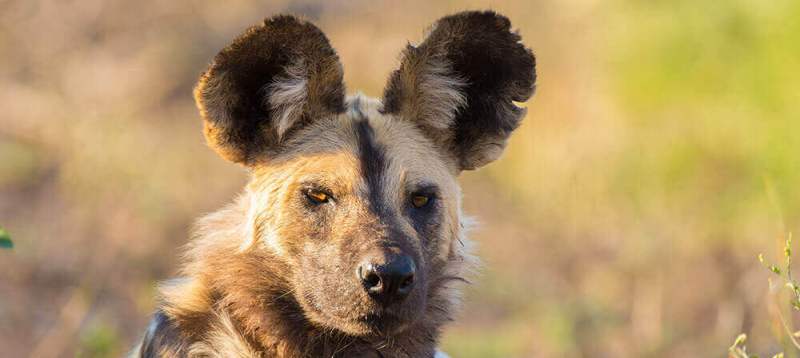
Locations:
(660, 155)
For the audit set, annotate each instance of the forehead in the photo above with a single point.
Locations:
(366, 144)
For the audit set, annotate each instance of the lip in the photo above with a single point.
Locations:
(370, 324)
(383, 324)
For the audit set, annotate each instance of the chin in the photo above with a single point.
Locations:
(366, 325)
(383, 325)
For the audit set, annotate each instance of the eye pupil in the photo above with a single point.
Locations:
(419, 201)
(317, 197)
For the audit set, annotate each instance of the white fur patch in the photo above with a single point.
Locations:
(258, 230)
(287, 97)
(223, 340)
(441, 95)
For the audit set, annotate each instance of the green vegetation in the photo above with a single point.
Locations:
(739, 349)
(784, 273)
(100, 341)
(5, 240)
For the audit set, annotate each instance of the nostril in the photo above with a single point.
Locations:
(369, 277)
(407, 282)
(405, 285)
(372, 280)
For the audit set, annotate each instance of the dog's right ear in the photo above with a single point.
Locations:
(273, 79)
(462, 83)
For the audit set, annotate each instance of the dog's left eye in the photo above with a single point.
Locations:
(420, 200)
(317, 196)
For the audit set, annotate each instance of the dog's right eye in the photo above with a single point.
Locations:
(317, 196)
(420, 200)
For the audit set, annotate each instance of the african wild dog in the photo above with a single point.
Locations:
(349, 239)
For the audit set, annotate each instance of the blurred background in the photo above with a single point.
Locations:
(659, 157)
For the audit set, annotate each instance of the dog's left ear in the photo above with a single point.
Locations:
(460, 84)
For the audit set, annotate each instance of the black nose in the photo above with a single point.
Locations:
(387, 278)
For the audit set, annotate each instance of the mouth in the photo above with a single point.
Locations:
(383, 324)
(374, 324)
(364, 325)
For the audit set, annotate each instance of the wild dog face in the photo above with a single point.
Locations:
(358, 197)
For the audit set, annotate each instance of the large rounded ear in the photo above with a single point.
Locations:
(460, 84)
(272, 79)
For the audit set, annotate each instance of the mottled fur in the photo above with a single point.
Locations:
(273, 275)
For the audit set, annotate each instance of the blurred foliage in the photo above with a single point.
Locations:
(99, 341)
(5, 240)
(710, 90)
(659, 154)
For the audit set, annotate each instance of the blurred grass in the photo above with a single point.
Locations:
(99, 341)
(660, 154)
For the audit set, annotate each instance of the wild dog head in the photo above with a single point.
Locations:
(359, 197)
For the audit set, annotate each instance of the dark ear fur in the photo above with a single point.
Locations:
(461, 82)
(271, 79)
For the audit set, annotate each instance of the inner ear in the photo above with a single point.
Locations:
(270, 80)
(460, 84)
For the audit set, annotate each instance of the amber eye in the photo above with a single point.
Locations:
(420, 200)
(317, 196)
